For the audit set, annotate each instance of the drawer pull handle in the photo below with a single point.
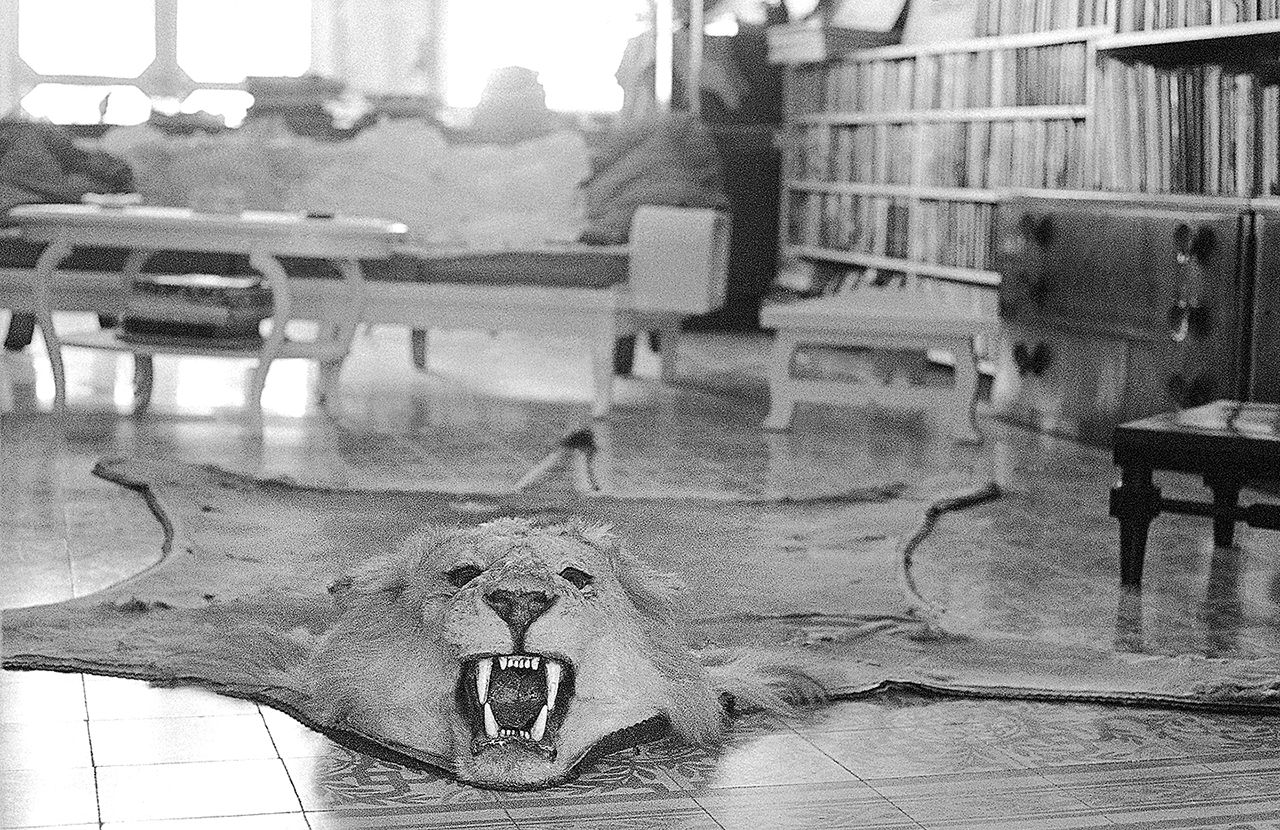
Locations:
(1179, 321)
(1190, 245)
(1032, 360)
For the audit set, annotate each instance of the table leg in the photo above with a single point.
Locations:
(1135, 501)
(1226, 495)
(965, 395)
(42, 284)
(602, 368)
(781, 402)
(282, 310)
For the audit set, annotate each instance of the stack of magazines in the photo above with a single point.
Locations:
(196, 309)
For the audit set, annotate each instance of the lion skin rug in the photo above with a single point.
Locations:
(257, 576)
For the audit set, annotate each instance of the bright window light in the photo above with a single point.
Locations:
(85, 104)
(111, 38)
(573, 45)
(231, 104)
(224, 41)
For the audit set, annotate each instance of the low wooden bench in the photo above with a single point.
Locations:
(917, 318)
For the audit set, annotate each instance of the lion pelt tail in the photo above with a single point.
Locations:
(754, 682)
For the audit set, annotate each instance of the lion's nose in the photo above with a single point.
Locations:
(518, 609)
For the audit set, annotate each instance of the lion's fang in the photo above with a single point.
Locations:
(504, 662)
(553, 682)
(539, 726)
(483, 669)
(490, 722)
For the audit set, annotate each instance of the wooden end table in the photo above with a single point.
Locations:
(1228, 443)
(263, 235)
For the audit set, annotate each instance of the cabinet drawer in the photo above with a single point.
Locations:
(1060, 382)
(1116, 268)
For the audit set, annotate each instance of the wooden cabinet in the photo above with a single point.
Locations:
(1116, 309)
(1264, 334)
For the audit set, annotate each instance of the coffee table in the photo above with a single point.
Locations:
(1229, 443)
(263, 235)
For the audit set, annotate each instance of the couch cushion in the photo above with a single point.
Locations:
(558, 266)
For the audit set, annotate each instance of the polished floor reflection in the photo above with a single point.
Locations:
(90, 751)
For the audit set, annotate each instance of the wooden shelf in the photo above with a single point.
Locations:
(1178, 201)
(981, 44)
(972, 276)
(1249, 44)
(906, 191)
(1068, 112)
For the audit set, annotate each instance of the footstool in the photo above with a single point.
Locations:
(878, 319)
(1229, 443)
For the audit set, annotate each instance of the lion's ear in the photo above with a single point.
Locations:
(385, 576)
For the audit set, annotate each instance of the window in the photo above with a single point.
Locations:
(112, 61)
(573, 45)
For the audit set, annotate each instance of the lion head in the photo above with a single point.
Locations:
(509, 650)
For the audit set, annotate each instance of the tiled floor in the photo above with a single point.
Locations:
(82, 751)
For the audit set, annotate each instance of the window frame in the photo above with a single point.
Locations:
(163, 79)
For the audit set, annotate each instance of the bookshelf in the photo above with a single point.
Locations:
(896, 155)
(1190, 109)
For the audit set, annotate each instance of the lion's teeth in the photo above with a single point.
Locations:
(539, 726)
(483, 669)
(490, 722)
(553, 682)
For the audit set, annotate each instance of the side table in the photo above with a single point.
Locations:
(1228, 443)
(264, 236)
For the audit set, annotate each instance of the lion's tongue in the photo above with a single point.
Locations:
(516, 697)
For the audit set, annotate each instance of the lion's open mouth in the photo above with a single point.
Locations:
(517, 700)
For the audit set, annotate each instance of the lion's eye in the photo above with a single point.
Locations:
(579, 579)
(463, 574)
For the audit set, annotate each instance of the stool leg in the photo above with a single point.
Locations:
(1135, 501)
(1226, 495)
(781, 402)
(418, 345)
(144, 374)
(668, 341)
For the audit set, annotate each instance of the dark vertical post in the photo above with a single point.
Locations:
(1226, 493)
(1135, 501)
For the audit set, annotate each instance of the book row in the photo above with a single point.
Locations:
(1012, 17)
(954, 234)
(1186, 130)
(1033, 76)
(1146, 15)
(979, 154)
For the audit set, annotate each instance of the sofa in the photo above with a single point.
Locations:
(492, 243)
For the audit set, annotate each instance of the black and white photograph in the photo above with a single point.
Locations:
(640, 414)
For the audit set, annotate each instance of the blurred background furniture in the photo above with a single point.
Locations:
(919, 319)
(263, 236)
